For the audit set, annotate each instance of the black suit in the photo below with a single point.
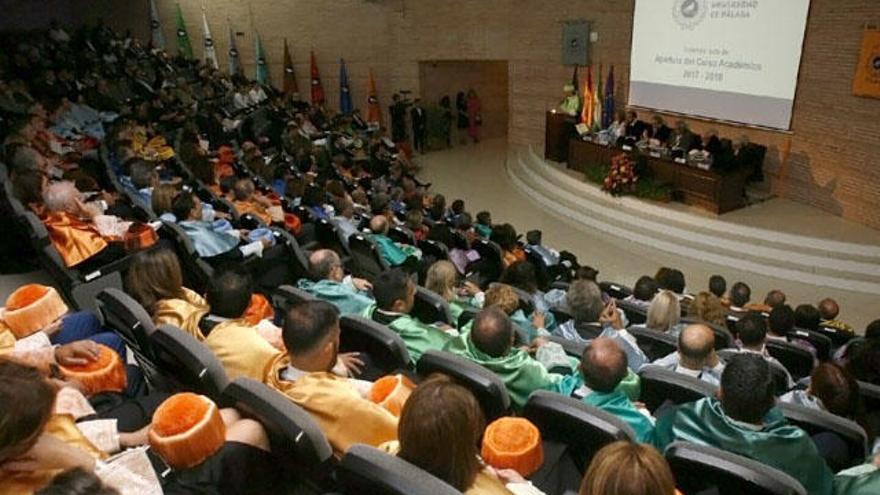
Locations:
(661, 133)
(419, 127)
(635, 129)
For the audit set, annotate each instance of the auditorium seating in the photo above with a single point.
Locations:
(661, 385)
(635, 314)
(723, 337)
(704, 469)
(615, 290)
(780, 378)
(386, 350)
(130, 320)
(572, 348)
(429, 307)
(187, 363)
(491, 262)
(365, 469)
(288, 295)
(366, 261)
(814, 421)
(487, 387)
(822, 343)
(797, 360)
(433, 250)
(654, 344)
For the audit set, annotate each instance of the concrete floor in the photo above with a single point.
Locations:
(477, 174)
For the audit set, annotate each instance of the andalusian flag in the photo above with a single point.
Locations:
(587, 110)
(596, 124)
(344, 91)
(608, 111)
(184, 48)
(317, 89)
(157, 39)
(234, 60)
(210, 52)
(289, 86)
(374, 111)
(262, 70)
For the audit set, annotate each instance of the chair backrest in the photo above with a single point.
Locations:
(704, 469)
(780, 375)
(329, 237)
(367, 262)
(188, 362)
(386, 349)
(488, 388)
(814, 421)
(402, 235)
(660, 385)
(654, 344)
(466, 316)
(634, 314)
(36, 231)
(491, 259)
(299, 262)
(615, 290)
(293, 434)
(838, 337)
(196, 271)
(574, 348)
(822, 343)
(433, 249)
(365, 469)
(542, 271)
(287, 295)
(429, 307)
(870, 395)
(130, 320)
(583, 428)
(797, 360)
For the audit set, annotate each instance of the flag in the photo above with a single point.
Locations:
(374, 112)
(210, 52)
(344, 90)
(157, 39)
(587, 110)
(575, 81)
(317, 89)
(184, 48)
(596, 124)
(234, 61)
(608, 115)
(262, 70)
(289, 87)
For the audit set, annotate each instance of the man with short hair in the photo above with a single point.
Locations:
(603, 367)
(246, 201)
(489, 343)
(718, 287)
(744, 421)
(828, 310)
(311, 336)
(775, 298)
(330, 283)
(643, 293)
(395, 292)
(394, 254)
(740, 294)
(752, 331)
(695, 355)
(807, 317)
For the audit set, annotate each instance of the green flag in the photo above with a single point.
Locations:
(184, 48)
(262, 75)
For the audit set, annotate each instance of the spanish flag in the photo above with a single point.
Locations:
(589, 102)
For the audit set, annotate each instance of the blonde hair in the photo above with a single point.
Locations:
(441, 279)
(503, 296)
(628, 468)
(664, 312)
(708, 308)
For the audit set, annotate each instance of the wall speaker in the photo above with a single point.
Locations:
(576, 43)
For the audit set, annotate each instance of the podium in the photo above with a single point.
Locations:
(559, 129)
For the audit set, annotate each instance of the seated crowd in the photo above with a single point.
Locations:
(236, 227)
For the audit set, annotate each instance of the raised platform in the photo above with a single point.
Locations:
(773, 239)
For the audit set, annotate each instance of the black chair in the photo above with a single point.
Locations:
(582, 428)
(296, 440)
(130, 320)
(814, 421)
(525, 300)
(838, 337)
(386, 349)
(367, 470)
(329, 237)
(660, 385)
(286, 296)
(573, 348)
(634, 314)
(402, 235)
(797, 360)
(487, 387)
(704, 469)
(870, 395)
(723, 338)
(822, 343)
(429, 307)
(562, 315)
(491, 262)
(299, 261)
(433, 249)
(542, 271)
(779, 373)
(466, 316)
(196, 271)
(367, 262)
(615, 290)
(654, 344)
(187, 362)
(79, 288)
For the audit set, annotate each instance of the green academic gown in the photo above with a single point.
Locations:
(521, 373)
(616, 403)
(778, 444)
(419, 337)
(860, 480)
(389, 250)
(349, 300)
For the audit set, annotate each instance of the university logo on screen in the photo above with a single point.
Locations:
(689, 13)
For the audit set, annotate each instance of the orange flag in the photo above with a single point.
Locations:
(588, 103)
(867, 79)
(374, 112)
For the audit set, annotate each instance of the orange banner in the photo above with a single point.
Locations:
(867, 80)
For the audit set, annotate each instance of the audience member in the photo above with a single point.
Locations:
(752, 332)
(718, 286)
(740, 294)
(829, 310)
(664, 314)
(695, 355)
(329, 282)
(708, 308)
(643, 293)
(627, 468)
(442, 279)
(807, 317)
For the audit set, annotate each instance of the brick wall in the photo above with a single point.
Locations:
(833, 162)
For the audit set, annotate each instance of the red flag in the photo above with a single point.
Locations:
(289, 76)
(588, 104)
(317, 89)
(374, 112)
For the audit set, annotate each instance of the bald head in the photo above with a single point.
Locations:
(492, 332)
(323, 265)
(775, 298)
(379, 224)
(828, 308)
(695, 345)
(603, 365)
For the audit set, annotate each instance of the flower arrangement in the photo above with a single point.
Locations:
(622, 176)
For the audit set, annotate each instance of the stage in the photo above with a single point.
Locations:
(805, 252)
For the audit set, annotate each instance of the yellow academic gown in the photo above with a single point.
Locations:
(241, 350)
(64, 428)
(343, 415)
(183, 313)
(74, 239)
(254, 209)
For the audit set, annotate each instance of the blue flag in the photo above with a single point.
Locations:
(344, 92)
(608, 105)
